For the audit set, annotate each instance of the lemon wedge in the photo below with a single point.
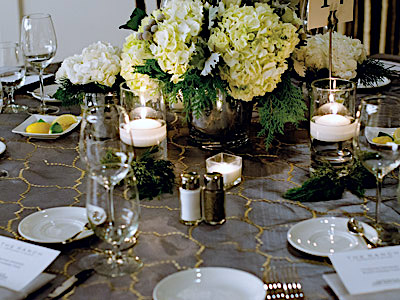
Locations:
(65, 120)
(396, 134)
(382, 139)
(38, 127)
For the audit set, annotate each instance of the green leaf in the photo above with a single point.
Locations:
(56, 128)
(135, 19)
(385, 134)
(41, 121)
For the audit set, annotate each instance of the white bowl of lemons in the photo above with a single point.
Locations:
(46, 126)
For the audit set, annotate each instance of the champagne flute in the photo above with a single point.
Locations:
(12, 74)
(378, 116)
(39, 45)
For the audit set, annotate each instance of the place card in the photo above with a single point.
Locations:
(368, 271)
(319, 10)
(22, 262)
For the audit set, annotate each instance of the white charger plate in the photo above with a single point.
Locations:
(328, 235)
(20, 129)
(54, 225)
(380, 83)
(2, 147)
(49, 91)
(211, 283)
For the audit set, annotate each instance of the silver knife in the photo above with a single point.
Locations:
(68, 284)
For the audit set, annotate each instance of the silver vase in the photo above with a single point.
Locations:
(225, 125)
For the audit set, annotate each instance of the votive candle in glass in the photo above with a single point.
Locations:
(230, 166)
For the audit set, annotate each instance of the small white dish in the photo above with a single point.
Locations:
(373, 132)
(327, 235)
(20, 129)
(49, 91)
(380, 83)
(2, 147)
(54, 225)
(211, 283)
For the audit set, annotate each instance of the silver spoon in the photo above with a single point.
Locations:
(72, 238)
(356, 228)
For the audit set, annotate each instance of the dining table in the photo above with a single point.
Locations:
(42, 174)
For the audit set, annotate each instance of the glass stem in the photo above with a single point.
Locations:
(42, 102)
(378, 199)
(10, 96)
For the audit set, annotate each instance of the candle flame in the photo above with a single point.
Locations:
(331, 98)
(143, 113)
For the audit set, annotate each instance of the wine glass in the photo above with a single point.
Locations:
(12, 74)
(39, 45)
(378, 116)
(114, 220)
(108, 161)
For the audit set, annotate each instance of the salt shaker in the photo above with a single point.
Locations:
(190, 198)
(214, 199)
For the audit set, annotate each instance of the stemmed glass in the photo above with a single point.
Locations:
(12, 74)
(378, 116)
(112, 198)
(39, 45)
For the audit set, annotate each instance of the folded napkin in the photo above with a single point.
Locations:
(341, 292)
(34, 285)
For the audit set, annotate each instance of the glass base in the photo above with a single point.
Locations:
(14, 109)
(47, 110)
(103, 264)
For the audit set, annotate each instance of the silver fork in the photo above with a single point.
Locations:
(283, 284)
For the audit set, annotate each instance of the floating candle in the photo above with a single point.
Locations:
(230, 166)
(332, 120)
(143, 132)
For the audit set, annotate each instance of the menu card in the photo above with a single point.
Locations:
(368, 271)
(22, 262)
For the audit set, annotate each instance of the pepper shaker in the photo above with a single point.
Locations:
(214, 199)
(190, 198)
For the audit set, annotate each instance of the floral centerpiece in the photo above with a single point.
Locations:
(200, 48)
(95, 70)
(349, 60)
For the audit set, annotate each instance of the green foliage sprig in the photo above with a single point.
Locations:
(134, 20)
(373, 70)
(153, 176)
(199, 92)
(285, 104)
(327, 183)
(73, 94)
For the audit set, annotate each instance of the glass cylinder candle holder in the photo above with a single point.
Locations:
(332, 122)
(230, 166)
(144, 125)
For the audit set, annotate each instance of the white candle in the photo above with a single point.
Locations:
(332, 128)
(143, 132)
(230, 172)
(332, 120)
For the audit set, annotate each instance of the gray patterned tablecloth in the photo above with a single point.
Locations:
(44, 174)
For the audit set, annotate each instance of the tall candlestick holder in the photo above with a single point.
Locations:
(332, 121)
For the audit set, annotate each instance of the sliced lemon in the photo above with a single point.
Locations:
(38, 127)
(55, 128)
(396, 134)
(65, 120)
(382, 139)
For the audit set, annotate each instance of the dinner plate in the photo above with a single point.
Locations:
(49, 91)
(211, 283)
(2, 147)
(327, 235)
(20, 129)
(54, 225)
(380, 83)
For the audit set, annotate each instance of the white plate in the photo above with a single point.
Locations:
(211, 284)
(373, 132)
(380, 83)
(54, 225)
(2, 147)
(49, 91)
(328, 235)
(20, 129)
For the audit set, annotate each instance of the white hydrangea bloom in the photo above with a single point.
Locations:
(347, 54)
(254, 44)
(99, 62)
(173, 44)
